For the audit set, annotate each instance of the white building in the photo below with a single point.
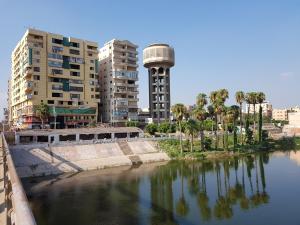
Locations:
(266, 108)
(118, 82)
(280, 114)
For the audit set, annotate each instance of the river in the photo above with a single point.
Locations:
(256, 189)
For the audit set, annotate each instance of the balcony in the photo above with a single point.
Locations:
(28, 74)
(28, 87)
(120, 101)
(120, 90)
(125, 74)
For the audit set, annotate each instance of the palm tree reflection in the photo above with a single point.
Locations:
(231, 188)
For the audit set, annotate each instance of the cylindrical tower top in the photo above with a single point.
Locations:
(157, 54)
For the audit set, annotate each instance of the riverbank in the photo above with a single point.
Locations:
(172, 148)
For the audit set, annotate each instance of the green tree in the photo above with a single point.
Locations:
(215, 102)
(131, 123)
(240, 98)
(234, 114)
(260, 99)
(252, 99)
(200, 114)
(151, 128)
(191, 129)
(42, 111)
(179, 111)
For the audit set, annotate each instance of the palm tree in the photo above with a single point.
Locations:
(240, 98)
(223, 94)
(210, 114)
(253, 101)
(214, 100)
(200, 114)
(179, 111)
(260, 99)
(201, 100)
(234, 109)
(191, 129)
(42, 111)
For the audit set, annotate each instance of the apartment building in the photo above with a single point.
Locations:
(59, 71)
(118, 81)
(266, 108)
(280, 114)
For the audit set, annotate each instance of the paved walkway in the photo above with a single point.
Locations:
(2, 192)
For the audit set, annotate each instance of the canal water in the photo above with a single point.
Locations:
(256, 189)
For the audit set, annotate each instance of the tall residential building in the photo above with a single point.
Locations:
(266, 108)
(58, 71)
(158, 59)
(118, 81)
(280, 114)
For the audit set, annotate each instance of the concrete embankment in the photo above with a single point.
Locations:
(42, 159)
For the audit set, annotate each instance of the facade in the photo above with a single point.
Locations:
(294, 119)
(280, 114)
(118, 80)
(58, 71)
(158, 59)
(266, 108)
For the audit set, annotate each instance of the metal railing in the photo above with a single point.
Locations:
(16, 203)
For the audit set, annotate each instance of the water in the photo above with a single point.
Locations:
(258, 189)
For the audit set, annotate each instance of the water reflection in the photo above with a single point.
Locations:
(231, 187)
(176, 193)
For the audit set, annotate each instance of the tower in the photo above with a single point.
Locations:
(158, 59)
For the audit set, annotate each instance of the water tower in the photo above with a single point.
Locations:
(159, 58)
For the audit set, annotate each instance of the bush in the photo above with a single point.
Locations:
(166, 127)
(151, 128)
(132, 123)
(207, 143)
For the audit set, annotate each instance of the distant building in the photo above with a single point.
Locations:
(295, 109)
(280, 114)
(294, 119)
(118, 80)
(266, 108)
(144, 116)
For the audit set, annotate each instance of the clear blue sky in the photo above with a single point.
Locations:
(238, 45)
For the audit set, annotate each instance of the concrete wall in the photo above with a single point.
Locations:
(38, 160)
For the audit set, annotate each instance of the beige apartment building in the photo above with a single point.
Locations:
(118, 81)
(59, 71)
(280, 114)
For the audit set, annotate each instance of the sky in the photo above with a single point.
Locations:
(237, 45)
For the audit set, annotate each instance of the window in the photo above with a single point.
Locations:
(91, 68)
(57, 95)
(36, 60)
(54, 64)
(91, 61)
(35, 93)
(57, 87)
(90, 54)
(75, 67)
(74, 52)
(36, 52)
(50, 102)
(69, 102)
(75, 74)
(54, 56)
(56, 71)
(74, 44)
(57, 41)
(76, 60)
(92, 96)
(76, 89)
(92, 89)
(91, 75)
(36, 77)
(36, 69)
(61, 102)
(77, 96)
(57, 49)
(75, 81)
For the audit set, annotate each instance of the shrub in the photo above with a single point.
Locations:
(132, 123)
(151, 128)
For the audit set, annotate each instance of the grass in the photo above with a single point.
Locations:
(172, 148)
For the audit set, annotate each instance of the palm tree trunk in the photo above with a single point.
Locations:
(202, 139)
(241, 123)
(254, 121)
(234, 135)
(216, 132)
(192, 142)
(180, 137)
